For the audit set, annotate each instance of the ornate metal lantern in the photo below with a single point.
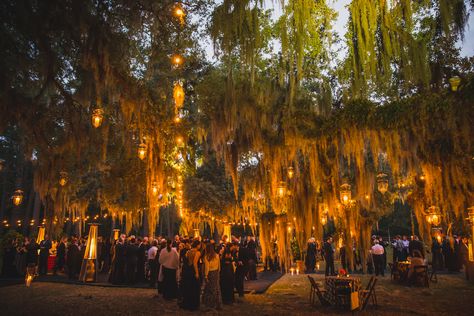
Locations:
(291, 172)
(382, 182)
(454, 82)
(345, 193)
(116, 234)
(281, 189)
(142, 151)
(154, 188)
(97, 117)
(63, 178)
(179, 12)
(433, 216)
(17, 197)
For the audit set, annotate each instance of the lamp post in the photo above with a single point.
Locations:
(89, 262)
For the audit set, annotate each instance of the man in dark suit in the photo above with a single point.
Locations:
(131, 253)
(329, 256)
(141, 257)
(252, 248)
(72, 259)
(45, 245)
(60, 255)
(242, 268)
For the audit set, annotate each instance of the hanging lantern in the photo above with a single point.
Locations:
(154, 188)
(454, 82)
(433, 216)
(116, 233)
(196, 233)
(177, 60)
(345, 193)
(17, 197)
(2, 164)
(63, 178)
(97, 117)
(179, 141)
(281, 189)
(291, 172)
(179, 12)
(142, 151)
(324, 220)
(382, 182)
(178, 95)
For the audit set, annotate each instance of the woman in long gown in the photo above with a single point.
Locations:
(169, 264)
(227, 277)
(190, 278)
(212, 294)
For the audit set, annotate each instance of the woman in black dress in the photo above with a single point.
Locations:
(227, 277)
(191, 284)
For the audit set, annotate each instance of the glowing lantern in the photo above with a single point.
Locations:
(454, 82)
(179, 12)
(178, 95)
(116, 233)
(196, 233)
(324, 220)
(154, 188)
(281, 189)
(63, 177)
(345, 193)
(382, 182)
(179, 141)
(422, 177)
(291, 172)
(433, 216)
(97, 117)
(17, 197)
(177, 60)
(89, 262)
(142, 151)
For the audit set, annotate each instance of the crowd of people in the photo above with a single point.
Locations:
(447, 253)
(191, 270)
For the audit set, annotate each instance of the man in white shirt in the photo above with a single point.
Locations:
(377, 256)
(152, 263)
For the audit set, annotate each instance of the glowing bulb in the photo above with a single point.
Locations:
(142, 151)
(97, 117)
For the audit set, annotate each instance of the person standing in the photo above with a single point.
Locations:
(227, 277)
(190, 278)
(252, 249)
(464, 254)
(378, 251)
(169, 264)
(152, 263)
(45, 245)
(131, 253)
(60, 256)
(416, 244)
(141, 258)
(242, 268)
(32, 253)
(211, 297)
(310, 260)
(329, 256)
(72, 259)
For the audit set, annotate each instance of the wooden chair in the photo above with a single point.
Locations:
(368, 293)
(394, 273)
(420, 276)
(315, 291)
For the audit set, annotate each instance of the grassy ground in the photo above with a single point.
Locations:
(288, 296)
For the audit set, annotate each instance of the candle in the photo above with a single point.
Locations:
(317, 266)
(292, 271)
(297, 271)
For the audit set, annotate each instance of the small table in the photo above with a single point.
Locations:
(339, 289)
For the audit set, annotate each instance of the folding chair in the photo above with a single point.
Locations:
(420, 276)
(367, 290)
(367, 295)
(315, 291)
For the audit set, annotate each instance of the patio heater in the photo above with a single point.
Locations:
(89, 262)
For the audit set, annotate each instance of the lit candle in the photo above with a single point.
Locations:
(297, 271)
(292, 271)
(317, 266)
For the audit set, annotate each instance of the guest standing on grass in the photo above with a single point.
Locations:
(45, 245)
(227, 277)
(329, 256)
(212, 295)
(190, 278)
(310, 260)
(378, 257)
(152, 262)
(169, 261)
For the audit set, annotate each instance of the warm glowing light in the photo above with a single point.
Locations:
(179, 140)
(179, 12)
(422, 177)
(63, 178)
(323, 220)
(289, 229)
(142, 151)
(382, 182)
(196, 233)
(97, 117)
(281, 189)
(433, 216)
(291, 172)
(178, 95)
(455, 82)
(116, 234)
(17, 197)
(177, 60)
(292, 271)
(345, 192)
(154, 188)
